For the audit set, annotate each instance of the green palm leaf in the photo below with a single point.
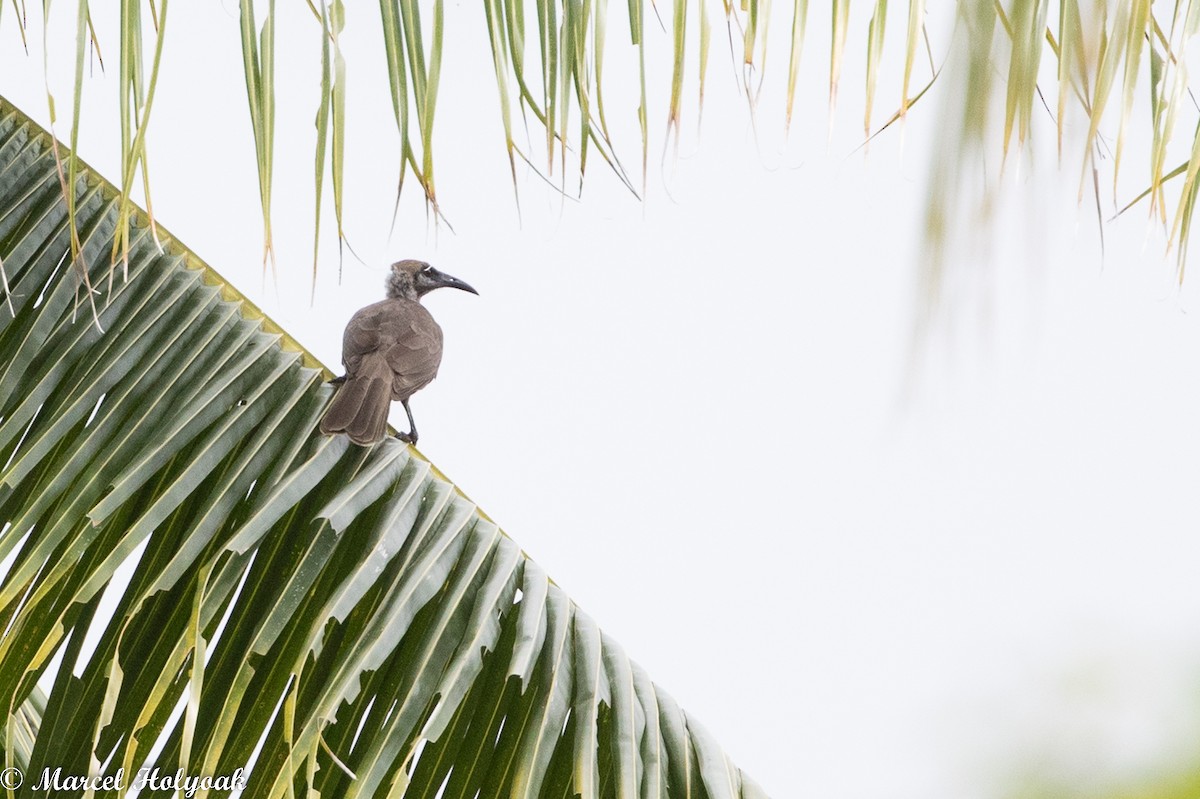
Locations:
(340, 620)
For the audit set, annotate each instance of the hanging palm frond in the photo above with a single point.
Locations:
(1082, 64)
(201, 581)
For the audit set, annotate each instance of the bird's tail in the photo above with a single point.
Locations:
(360, 407)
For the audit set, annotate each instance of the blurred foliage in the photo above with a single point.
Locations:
(1181, 785)
(1007, 63)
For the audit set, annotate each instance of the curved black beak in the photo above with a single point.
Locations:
(442, 280)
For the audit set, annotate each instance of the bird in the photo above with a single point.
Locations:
(391, 349)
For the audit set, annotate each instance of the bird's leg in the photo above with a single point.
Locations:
(337, 381)
(411, 435)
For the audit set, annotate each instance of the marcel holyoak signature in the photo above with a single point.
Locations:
(145, 779)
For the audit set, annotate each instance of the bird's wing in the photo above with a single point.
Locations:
(414, 353)
(362, 335)
(405, 334)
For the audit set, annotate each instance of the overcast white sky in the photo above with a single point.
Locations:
(699, 413)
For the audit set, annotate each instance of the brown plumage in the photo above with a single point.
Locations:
(391, 350)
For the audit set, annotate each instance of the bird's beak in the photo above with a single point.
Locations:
(442, 280)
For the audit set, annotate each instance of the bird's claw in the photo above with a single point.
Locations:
(407, 438)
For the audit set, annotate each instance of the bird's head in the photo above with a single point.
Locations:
(411, 280)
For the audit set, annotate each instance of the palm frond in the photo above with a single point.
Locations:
(548, 64)
(258, 63)
(333, 618)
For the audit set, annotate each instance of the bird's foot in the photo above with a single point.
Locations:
(337, 381)
(408, 438)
